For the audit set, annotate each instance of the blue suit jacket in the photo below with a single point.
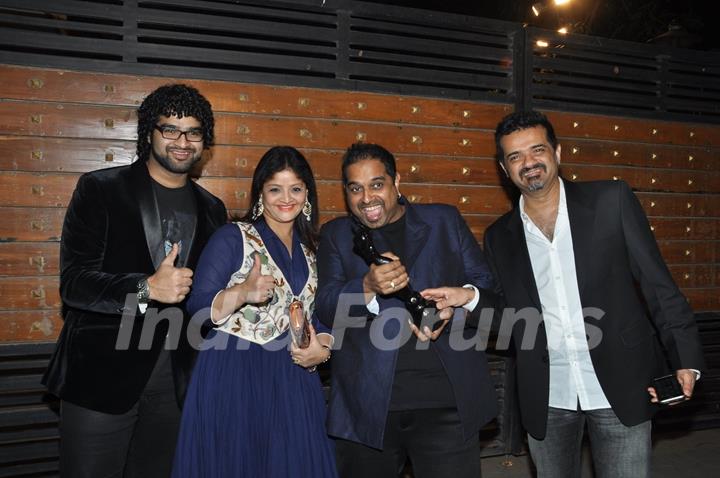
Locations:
(440, 251)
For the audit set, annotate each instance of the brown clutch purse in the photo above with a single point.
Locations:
(299, 330)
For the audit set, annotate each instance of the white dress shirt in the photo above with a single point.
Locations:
(572, 375)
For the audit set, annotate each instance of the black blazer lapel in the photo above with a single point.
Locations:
(520, 259)
(202, 227)
(142, 186)
(416, 236)
(582, 227)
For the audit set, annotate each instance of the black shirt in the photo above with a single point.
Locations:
(178, 217)
(420, 380)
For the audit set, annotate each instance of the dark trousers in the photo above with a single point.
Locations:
(431, 438)
(138, 443)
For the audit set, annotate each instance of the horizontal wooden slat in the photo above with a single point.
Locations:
(707, 299)
(462, 34)
(45, 468)
(27, 434)
(645, 179)
(43, 119)
(684, 228)
(24, 364)
(417, 45)
(478, 200)
(690, 252)
(68, 7)
(578, 125)
(650, 156)
(54, 190)
(68, 26)
(695, 275)
(98, 48)
(685, 205)
(360, 54)
(276, 62)
(36, 190)
(21, 399)
(13, 351)
(29, 293)
(573, 50)
(703, 104)
(37, 325)
(18, 452)
(312, 133)
(33, 153)
(31, 223)
(220, 40)
(573, 93)
(642, 89)
(67, 86)
(23, 382)
(612, 73)
(421, 74)
(226, 17)
(29, 258)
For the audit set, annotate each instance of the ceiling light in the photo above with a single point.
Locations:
(541, 43)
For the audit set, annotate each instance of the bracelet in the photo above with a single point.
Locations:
(329, 353)
(314, 367)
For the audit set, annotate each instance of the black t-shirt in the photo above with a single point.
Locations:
(420, 379)
(178, 217)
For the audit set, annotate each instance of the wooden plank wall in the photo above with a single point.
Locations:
(55, 125)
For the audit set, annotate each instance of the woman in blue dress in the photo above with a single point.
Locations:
(255, 407)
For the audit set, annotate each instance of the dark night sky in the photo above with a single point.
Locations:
(631, 20)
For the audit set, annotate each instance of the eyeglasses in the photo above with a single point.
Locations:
(168, 132)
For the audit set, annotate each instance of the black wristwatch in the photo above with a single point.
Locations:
(143, 291)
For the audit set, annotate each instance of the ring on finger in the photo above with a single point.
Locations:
(392, 284)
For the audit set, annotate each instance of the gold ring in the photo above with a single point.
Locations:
(392, 284)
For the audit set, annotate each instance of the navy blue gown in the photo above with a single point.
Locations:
(249, 411)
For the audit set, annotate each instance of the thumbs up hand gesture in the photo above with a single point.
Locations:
(257, 287)
(170, 284)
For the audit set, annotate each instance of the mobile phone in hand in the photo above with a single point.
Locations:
(668, 389)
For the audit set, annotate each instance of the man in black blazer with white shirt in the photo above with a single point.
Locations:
(131, 237)
(581, 256)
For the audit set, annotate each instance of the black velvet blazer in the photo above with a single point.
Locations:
(111, 226)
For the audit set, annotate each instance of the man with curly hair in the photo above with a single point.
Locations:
(131, 237)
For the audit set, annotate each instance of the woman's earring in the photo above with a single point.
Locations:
(258, 209)
(307, 209)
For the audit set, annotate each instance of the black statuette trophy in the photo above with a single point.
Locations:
(414, 302)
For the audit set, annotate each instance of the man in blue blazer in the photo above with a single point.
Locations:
(581, 260)
(399, 392)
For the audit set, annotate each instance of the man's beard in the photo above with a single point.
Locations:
(535, 184)
(174, 166)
